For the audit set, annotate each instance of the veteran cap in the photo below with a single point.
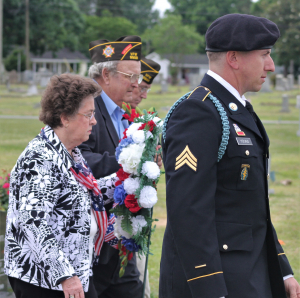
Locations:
(149, 70)
(241, 32)
(124, 48)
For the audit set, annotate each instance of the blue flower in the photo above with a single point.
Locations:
(124, 143)
(120, 194)
(130, 244)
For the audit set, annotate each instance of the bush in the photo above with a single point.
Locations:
(11, 61)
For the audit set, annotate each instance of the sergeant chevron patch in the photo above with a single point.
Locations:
(186, 157)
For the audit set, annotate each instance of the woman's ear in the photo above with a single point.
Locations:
(232, 59)
(64, 120)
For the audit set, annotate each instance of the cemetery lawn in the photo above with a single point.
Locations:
(284, 149)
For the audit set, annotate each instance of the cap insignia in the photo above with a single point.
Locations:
(126, 49)
(108, 51)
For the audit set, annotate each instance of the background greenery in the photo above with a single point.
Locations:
(285, 153)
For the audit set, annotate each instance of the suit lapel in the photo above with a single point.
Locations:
(108, 122)
(241, 115)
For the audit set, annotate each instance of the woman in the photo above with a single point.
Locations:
(54, 199)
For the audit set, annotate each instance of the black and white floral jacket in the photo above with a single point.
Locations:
(49, 216)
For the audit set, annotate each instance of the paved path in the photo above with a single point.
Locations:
(36, 118)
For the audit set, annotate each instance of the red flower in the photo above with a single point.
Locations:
(124, 134)
(122, 175)
(5, 185)
(132, 204)
(118, 183)
(151, 124)
(132, 116)
(130, 256)
(123, 248)
(7, 192)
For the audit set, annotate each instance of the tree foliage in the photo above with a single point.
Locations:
(285, 13)
(170, 36)
(139, 12)
(105, 27)
(54, 24)
(203, 13)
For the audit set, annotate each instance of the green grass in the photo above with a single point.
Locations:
(285, 156)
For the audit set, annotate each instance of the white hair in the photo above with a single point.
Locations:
(95, 70)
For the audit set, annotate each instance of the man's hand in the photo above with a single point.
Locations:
(292, 288)
(158, 159)
(73, 286)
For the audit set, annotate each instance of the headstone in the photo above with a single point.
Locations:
(279, 83)
(195, 80)
(299, 81)
(164, 86)
(82, 68)
(290, 78)
(298, 106)
(13, 77)
(44, 81)
(266, 86)
(27, 76)
(286, 84)
(32, 89)
(285, 104)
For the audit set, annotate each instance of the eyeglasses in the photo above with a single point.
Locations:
(133, 77)
(144, 89)
(89, 116)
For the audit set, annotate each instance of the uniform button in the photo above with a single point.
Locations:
(247, 152)
(225, 246)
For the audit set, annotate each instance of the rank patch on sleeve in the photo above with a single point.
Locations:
(186, 157)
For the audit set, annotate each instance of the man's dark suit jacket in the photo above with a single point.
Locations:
(104, 140)
(219, 239)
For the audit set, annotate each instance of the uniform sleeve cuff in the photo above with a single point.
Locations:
(288, 276)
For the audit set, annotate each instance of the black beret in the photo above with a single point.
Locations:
(149, 70)
(124, 48)
(241, 32)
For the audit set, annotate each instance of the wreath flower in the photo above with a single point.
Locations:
(135, 193)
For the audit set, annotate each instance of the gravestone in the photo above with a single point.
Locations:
(299, 81)
(44, 81)
(13, 77)
(286, 84)
(266, 86)
(290, 78)
(32, 89)
(27, 76)
(298, 106)
(285, 104)
(195, 80)
(279, 83)
(164, 86)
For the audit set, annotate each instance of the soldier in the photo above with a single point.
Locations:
(219, 240)
(150, 70)
(117, 70)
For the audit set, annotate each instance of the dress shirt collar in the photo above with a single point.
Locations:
(225, 84)
(111, 106)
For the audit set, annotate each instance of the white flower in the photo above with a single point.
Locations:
(148, 197)
(139, 136)
(131, 185)
(130, 157)
(132, 129)
(138, 223)
(151, 170)
(118, 231)
(159, 122)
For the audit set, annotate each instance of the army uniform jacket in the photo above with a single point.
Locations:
(219, 239)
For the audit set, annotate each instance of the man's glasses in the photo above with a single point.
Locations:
(89, 116)
(133, 77)
(144, 89)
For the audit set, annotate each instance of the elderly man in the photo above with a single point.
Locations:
(219, 240)
(117, 70)
(150, 70)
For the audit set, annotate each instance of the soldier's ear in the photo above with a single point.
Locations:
(232, 59)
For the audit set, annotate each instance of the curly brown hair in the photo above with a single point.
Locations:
(64, 95)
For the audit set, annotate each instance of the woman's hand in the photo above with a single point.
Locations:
(72, 286)
(158, 158)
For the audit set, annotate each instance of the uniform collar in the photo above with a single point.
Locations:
(231, 89)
